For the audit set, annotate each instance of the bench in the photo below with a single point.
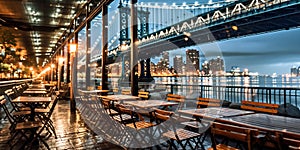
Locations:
(208, 102)
(260, 107)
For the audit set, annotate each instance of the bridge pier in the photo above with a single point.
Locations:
(145, 74)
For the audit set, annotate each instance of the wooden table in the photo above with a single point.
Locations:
(150, 103)
(268, 122)
(32, 102)
(36, 89)
(120, 97)
(215, 112)
(93, 91)
(35, 93)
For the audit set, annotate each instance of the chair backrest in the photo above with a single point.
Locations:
(231, 132)
(9, 98)
(12, 93)
(208, 102)
(51, 91)
(126, 91)
(3, 103)
(260, 107)
(123, 110)
(288, 140)
(144, 95)
(53, 106)
(175, 98)
(162, 115)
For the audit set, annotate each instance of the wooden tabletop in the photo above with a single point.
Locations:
(150, 103)
(268, 122)
(215, 112)
(93, 91)
(120, 97)
(35, 92)
(36, 89)
(31, 99)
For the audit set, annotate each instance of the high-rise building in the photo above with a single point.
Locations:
(192, 61)
(163, 64)
(165, 57)
(216, 66)
(294, 71)
(205, 68)
(178, 64)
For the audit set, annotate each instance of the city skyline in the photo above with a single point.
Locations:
(268, 53)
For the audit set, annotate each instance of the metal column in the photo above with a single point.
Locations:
(134, 48)
(73, 69)
(88, 55)
(104, 81)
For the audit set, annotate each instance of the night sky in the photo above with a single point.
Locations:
(268, 53)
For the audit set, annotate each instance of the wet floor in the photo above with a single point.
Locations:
(72, 133)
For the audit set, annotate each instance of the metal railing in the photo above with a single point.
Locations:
(235, 94)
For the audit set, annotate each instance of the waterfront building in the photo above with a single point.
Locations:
(205, 68)
(178, 64)
(235, 71)
(192, 61)
(294, 71)
(216, 66)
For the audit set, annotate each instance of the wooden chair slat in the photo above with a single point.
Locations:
(260, 107)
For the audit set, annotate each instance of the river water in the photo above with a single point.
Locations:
(255, 81)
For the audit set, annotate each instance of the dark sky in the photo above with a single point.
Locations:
(268, 53)
(274, 52)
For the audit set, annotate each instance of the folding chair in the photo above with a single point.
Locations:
(288, 140)
(231, 137)
(177, 137)
(175, 98)
(45, 116)
(125, 116)
(108, 106)
(20, 129)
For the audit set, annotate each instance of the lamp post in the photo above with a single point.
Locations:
(52, 66)
(73, 49)
(60, 62)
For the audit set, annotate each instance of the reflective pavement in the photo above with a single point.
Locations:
(71, 132)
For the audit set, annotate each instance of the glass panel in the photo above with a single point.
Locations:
(81, 60)
(96, 50)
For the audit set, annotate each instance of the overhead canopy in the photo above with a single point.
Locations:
(38, 24)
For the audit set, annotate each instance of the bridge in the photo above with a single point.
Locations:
(242, 18)
(234, 20)
(192, 25)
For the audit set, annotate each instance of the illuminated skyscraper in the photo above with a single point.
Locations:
(216, 66)
(178, 64)
(192, 61)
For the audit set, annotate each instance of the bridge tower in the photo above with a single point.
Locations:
(143, 30)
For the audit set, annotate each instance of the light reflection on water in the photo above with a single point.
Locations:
(257, 81)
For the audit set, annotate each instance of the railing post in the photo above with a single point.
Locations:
(284, 99)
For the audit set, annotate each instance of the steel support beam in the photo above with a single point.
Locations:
(134, 48)
(104, 80)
